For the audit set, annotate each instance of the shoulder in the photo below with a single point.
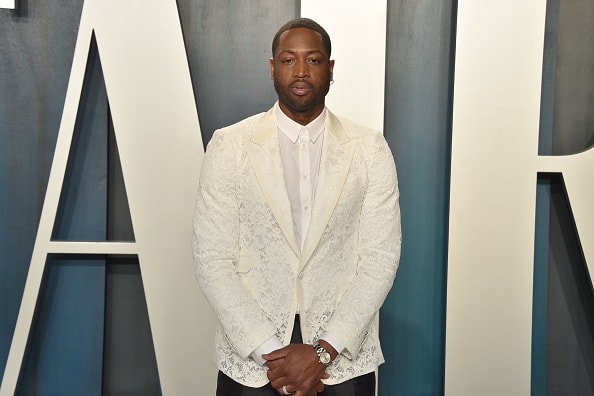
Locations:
(242, 127)
(369, 142)
(354, 131)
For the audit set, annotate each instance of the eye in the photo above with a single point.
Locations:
(288, 61)
(314, 61)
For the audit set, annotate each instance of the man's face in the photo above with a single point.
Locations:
(301, 72)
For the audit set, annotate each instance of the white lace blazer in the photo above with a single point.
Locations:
(248, 262)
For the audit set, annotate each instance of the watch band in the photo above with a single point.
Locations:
(324, 356)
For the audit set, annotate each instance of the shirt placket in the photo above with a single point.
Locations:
(304, 182)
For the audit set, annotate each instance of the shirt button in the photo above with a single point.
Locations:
(301, 275)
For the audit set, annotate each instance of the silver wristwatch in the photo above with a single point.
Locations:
(323, 355)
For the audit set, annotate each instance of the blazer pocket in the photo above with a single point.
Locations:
(244, 269)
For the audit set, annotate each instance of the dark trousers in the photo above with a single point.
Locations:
(359, 386)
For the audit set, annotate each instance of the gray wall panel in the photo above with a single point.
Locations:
(417, 127)
(573, 122)
(570, 123)
(228, 45)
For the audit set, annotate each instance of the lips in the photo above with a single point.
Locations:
(301, 88)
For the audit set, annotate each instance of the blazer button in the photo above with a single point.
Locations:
(300, 275)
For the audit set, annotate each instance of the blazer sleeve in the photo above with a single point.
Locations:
(378, 251)
(216, 248)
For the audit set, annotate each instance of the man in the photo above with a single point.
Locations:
(297, 235)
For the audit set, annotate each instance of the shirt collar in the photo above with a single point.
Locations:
(291, 128)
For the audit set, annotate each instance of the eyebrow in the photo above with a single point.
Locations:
(291, 52)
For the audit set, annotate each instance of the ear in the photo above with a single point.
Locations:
(271, 61)
(331, 69)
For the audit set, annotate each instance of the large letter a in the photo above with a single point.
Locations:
(158, 135)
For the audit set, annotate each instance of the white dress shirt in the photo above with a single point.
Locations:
(301, 150)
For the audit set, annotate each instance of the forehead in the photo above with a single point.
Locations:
(300, 39)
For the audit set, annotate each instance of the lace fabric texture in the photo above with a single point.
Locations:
(248, 263)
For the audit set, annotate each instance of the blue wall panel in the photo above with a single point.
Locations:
(417, 127)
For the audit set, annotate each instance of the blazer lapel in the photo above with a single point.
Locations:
(263, 151)
(337, 154)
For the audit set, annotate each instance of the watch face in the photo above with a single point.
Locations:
(325, 358)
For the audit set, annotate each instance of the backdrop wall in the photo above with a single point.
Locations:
(98, 303)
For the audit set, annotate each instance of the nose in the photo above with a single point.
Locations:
(302, 69)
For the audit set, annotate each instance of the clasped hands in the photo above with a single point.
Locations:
(295, 370)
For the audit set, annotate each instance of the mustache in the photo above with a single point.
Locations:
(301, 84)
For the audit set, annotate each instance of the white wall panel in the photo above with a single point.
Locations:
(499, 49)
(358, 33)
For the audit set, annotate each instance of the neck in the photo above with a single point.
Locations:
(302, 117)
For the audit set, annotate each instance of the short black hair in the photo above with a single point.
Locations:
(303, 23)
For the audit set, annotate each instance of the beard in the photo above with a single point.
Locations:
(304, 103)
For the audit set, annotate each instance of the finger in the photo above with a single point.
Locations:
(273, 364)
(275, 374)
(278, 383)
(274, 355)
(319, 387)
(289, 390)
